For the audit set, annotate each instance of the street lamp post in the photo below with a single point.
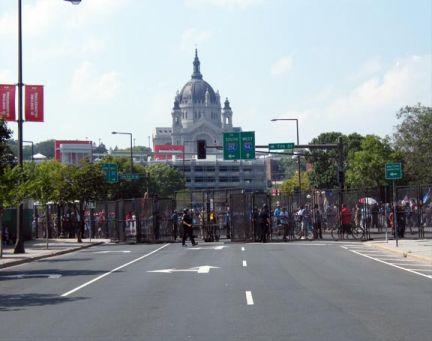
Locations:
(19, 245)
(298, 143)
(32, 149)
(131, 155)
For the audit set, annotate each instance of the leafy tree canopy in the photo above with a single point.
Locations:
(290, 184)
(165, 180)
(6, 155)
(365, 167)
(413, 138)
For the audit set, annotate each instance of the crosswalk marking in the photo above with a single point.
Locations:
(396, 262)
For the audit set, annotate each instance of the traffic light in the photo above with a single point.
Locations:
(201, 149)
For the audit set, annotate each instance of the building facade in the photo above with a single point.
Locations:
(197, 114)
(71, 152)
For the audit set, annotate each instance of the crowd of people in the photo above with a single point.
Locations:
(313, 220)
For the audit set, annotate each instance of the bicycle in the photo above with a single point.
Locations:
(336, 233)
(358, 232)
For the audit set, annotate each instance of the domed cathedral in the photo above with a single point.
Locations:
(197, 115)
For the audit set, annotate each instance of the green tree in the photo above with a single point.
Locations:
(325, 161)
(7, 157)
(101, 149)
(289, 164)
(365, 167)
(413, 138)
(165, 180)
(14, 188)
(126, 189)
(87, 184)
(46, 187)
(45, 148)
(290, 184)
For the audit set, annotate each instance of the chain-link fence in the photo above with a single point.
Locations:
(235, 215)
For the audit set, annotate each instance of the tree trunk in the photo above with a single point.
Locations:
(19, 244)
(1, 233)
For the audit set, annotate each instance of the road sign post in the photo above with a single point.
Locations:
(247, 151)
(281, 146)
(231, 146)
(111, 172)
(393, 171)
(129, 176)
(239, 146)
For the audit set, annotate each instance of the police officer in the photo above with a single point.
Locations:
(264, 222)
(187, 227)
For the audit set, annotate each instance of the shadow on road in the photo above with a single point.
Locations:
(51, 260)
(31, 274)
(17, 302)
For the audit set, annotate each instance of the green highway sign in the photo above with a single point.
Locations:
(247, 151)
(280, 146)
(393, 171)
(111, 172)
(239, 146)
(129, 176)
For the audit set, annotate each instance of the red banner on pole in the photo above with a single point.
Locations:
(34, 103)
(7, 102)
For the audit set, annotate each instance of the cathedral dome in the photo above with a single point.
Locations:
(197, 89)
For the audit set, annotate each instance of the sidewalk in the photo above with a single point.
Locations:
(36, 249)
(419, 249)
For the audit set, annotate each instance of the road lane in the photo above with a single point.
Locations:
(299, 292)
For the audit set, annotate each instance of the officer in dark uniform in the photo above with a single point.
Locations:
(187, 228)
(264, 216)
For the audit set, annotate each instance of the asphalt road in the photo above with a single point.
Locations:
(282, 291)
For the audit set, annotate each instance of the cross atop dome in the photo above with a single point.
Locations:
(196, 67)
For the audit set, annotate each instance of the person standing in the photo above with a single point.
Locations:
(264, 223)
(374, 214)
(277, 213)
(284, 220)
(227, 222)
(345, 216)
(174, 220)
(317, 228)
(187, 228)
(357, 215)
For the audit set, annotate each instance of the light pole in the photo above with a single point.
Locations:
(32, 149)
(131, 155)
(19, 245)
(184, 145)
(298, 143)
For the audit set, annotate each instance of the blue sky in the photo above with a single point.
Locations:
(342, 65)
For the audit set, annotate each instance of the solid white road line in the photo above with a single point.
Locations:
(249, 298)
(110, 272)
(244, 263)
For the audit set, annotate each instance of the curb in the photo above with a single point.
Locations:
(401, 253)
(48, 255)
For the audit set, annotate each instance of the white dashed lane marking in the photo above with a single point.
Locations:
(249, 298)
